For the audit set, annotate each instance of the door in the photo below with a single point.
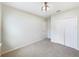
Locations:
(65, 32)
(71, 32)
(59, 31)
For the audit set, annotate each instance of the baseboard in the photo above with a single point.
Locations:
(2, 53)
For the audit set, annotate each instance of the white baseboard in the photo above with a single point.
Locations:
(2, 53)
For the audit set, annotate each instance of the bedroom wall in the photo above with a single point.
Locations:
(0, 22)
(78, 29)
(0, 26)
(49, 27)
(74, 12)
(21, 28)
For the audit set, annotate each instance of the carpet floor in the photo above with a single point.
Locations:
(44, 48)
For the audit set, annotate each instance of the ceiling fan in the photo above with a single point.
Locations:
(45, 7)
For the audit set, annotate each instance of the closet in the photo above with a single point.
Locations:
(64, 31)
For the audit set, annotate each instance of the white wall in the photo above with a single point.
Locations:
(21, 28)
(0, 30)
(69, 13)
(49, 27)
(78, 29)
(0, 22)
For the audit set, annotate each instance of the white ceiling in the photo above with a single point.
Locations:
(35, 7)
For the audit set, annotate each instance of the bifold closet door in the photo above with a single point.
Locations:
(59, 31)
(65, 31)
(71, 32)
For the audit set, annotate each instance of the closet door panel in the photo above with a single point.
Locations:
(59, 31)
(71, 32)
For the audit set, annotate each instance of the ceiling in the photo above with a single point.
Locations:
(35, 7)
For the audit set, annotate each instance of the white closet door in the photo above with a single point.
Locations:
(59, 31)
(66, 32)
(71, 32)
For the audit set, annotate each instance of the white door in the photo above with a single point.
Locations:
(71, 32)
(59, 31)
(65, 32)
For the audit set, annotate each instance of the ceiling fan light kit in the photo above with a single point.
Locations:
(45, 7)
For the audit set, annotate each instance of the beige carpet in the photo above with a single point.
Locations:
(44, 48)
